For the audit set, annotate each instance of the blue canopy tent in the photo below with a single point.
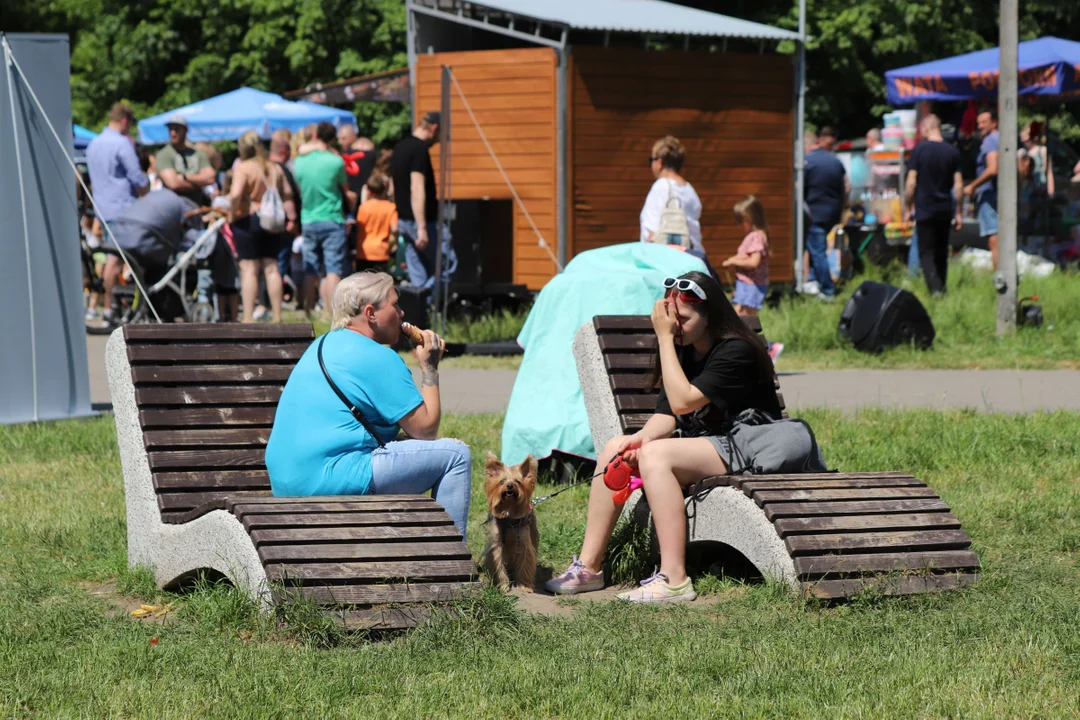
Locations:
(1048, 66)
(228, 116)
(83, 137)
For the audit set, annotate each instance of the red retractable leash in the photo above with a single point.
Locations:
(619, 476)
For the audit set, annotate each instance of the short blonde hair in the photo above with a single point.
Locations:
(670, 152)
(356, 292)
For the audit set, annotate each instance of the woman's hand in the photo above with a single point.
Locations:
(430, 353)
(664, 320)
(729, 262)
(629, 448)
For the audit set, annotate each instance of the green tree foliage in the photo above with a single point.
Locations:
(158, 54)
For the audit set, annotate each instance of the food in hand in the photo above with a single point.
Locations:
(413, 333)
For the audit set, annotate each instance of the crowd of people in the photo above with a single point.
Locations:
(303, 213)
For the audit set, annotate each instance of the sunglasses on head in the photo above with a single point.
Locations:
(683, 286)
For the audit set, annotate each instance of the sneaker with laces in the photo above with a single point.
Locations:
(656, 591)
(576, 579)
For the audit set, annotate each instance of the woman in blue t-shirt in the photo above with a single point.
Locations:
(320, 446)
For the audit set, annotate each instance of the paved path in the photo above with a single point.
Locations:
(479, 391)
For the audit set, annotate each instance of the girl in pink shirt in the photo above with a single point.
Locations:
(752, 259)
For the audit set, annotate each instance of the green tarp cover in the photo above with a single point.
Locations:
(546, 410)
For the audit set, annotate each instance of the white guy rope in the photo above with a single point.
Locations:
(78, 175)
(25, 221)
(498, 165)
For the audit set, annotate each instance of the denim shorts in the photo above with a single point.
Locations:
(988, 217)
(750, 295)
(324, 249)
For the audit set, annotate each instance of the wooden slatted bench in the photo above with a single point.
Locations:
(830, 536)
(194, 406)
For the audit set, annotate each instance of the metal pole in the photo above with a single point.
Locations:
(800, 150)
(444, 152)
(9, 62)
(1005, 281)
(561, 132)
(410, 43)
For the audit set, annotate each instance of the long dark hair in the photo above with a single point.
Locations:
(723, 324)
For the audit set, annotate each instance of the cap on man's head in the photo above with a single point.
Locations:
(176, 119)
(432, 118)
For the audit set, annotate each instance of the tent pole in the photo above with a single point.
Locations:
(444, 157)
(9, 63)
(1005, 280)
(800, 151)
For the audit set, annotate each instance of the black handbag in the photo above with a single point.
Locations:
(352, 408)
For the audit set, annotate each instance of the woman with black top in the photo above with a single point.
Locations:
(712, 367)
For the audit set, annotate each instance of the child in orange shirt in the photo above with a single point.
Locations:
(376, 227)
(752, 259)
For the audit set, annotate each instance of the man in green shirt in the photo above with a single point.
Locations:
(320, 175)
(182, 168)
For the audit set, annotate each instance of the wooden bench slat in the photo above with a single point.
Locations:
(858, 507)
(822, 566)
(750, 487)
(630, 381)
(209, 479)
(326, 499)
(228, 332)
(287, 520)
(356, 534)
(850, 523)
(199, 374)
(740, 480)
(622, 322)
(905, 540)
(887, 585)
(242, 510)
(246, 436)
(628, 361)
(634, 421)
(434, 592)
(207, 416)
(213, 395)
(190, 500)
(635, 342)
(626, 402)
(223, 352)
(414, 571)
(362, 551)
(764, 497)
(213, 459)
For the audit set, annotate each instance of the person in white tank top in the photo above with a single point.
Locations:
(666, 161)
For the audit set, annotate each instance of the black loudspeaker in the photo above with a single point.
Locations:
(879, 316)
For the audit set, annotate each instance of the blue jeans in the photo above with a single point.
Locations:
(421, 263)
(817, 246)
(324, 249)
(412, 467)
(914, 265)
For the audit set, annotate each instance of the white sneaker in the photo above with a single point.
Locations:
(811, 288)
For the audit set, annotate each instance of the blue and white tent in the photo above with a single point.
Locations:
(83, 136)
(228, 116)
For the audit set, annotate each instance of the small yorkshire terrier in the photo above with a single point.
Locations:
(512, 535)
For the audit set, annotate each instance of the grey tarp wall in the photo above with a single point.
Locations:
(42, 361)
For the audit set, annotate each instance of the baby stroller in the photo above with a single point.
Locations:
(175, 259)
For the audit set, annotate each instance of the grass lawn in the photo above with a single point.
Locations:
(965, 319)
(1008, 647)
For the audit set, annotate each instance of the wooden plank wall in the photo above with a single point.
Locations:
(513, 94)
(733, 112)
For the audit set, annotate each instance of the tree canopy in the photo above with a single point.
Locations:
(159, 54)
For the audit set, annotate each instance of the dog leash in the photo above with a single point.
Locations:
(537, 501)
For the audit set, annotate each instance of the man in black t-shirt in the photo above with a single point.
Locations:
(417, 205)
(933, 181)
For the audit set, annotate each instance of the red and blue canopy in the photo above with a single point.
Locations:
(1048, 66)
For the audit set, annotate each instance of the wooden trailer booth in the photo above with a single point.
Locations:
(559, 103)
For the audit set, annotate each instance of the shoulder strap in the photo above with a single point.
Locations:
(352, 408)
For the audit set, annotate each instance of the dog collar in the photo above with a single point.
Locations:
(511, 522)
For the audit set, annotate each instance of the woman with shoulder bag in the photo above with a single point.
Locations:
(714, 369)
(263, 212)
